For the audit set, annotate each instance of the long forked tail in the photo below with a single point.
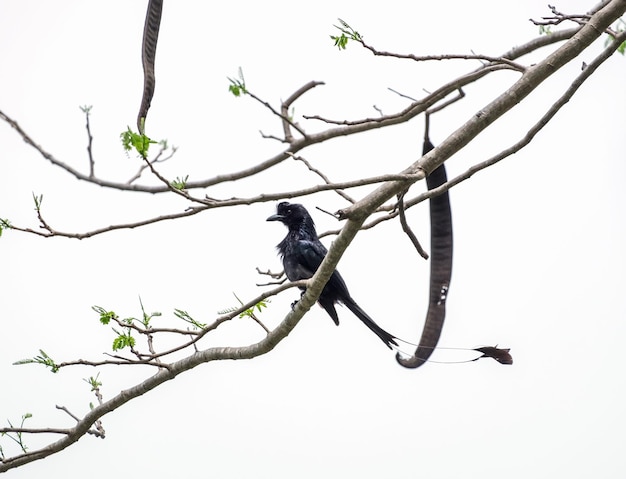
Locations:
(386, 338)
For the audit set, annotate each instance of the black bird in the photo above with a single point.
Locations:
(302, 253)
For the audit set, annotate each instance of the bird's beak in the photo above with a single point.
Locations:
(275, 218)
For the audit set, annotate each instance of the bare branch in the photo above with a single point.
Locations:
(559, 17)
(178, 191)
(423, 58)
(407, 229)
(285, 118)
(28, 430)
(86, 110)
(339, 191)
(52, 232)
(159, 158)
(284, 108)
(270, 274)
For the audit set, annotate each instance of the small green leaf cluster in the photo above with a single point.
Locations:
(545, 30)
(38, 201)
(248, 313)
(105, 316)
(238, 86)
(93, 382)
(184, 315)
(43, 358)
(4, 225)
(140, 142)
(347, 33)
(145, 317)
(179, 183)
(123, 340)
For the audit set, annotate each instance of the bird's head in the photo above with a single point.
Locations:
(292, 215)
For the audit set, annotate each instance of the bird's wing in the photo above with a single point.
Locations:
(312, 253)
(301, 259)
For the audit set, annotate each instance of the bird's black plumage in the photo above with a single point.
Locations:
(302, 253)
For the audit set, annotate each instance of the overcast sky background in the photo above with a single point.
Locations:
(538, 267)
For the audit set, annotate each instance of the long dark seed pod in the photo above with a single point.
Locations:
(148, 53)
(440, 266)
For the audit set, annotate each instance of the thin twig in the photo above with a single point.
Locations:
(155, 160)
(326, 180)
(26, 430)
(407, 229)
(89, 143)
(67, 411)
(284, 108)
(270, 274)
(423, 58)
(179, 192)
(284, 118)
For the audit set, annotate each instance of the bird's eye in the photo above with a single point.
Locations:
(289, 211)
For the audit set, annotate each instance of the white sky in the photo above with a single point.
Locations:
(539, 255)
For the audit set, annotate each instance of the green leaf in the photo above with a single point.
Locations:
(237, 86)
(248, 312)
(545, 30)
(4, 225)
(105, 316)
(179, 183)
(93, 382)
(145, 321)
(38, 200)
(140, 142)
(340, 41)
(184, 315)
(123, 340)
(43, 358)
(347, 33)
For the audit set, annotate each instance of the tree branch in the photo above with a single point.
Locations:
(530, 80)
